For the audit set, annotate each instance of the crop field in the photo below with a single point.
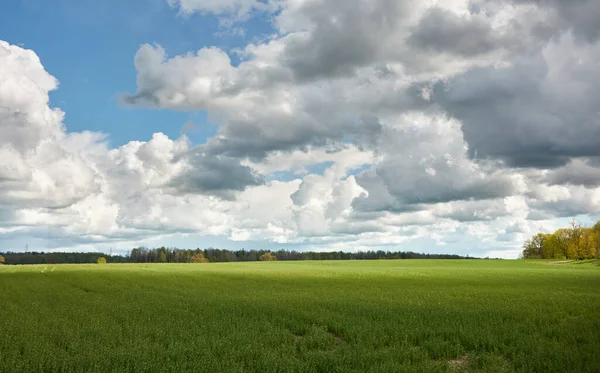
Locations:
(329, 316)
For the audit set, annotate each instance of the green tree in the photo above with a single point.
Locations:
(267, 257)
(534, 247)
(101, 260)
(2, 260)
(162, 255)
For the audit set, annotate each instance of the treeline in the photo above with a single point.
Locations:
(58, 258)
(173, 255)
(166, 255)
(576, 242)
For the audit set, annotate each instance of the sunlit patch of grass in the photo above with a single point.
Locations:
(351, 316)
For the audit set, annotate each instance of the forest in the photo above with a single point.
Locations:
(174, 255)
(574, 243)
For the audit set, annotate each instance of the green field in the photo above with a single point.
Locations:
(330, 316)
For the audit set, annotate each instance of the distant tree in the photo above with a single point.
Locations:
(551, 248)
(173, 255)
(575, 241)
(2, 260)
(534, 247)
(587, 244)
(101, 260)
(199, 258)
(596, 231)
(562, 237)
(188, 256)
(267, 257)
(162, 255)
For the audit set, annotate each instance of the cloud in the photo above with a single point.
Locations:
(216, 175)
(424, 161)
(61, 185)
(539, 112)
(189, 126)
(477, 111)
(40, 166)
(578, 16)
(165, 83)
(326, 38)
(576, 172)
(563, 201)
(331, 72)
(251, 112)
(441, 30)
(233, 10)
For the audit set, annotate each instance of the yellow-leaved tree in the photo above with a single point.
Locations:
(199, 258)
(583, 246)
(267, 257)
(596, 235)
(575, 242)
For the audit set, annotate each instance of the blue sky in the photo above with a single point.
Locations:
(89, 47)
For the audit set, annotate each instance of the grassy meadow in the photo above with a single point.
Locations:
(327, 316)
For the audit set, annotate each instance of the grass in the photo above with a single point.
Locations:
(334, 316)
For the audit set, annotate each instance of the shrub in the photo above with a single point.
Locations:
(2, 260)
(101, 260)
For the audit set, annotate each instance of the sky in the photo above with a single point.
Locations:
(439, 126)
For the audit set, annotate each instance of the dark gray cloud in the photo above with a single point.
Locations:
(579, 15)
(354, 228)
(577, 172)
(344, 35)
(318, 125)
(536, 113)
(215, 175)
(440, 30)
(298, 118)
(542, 210)
(392, 192)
